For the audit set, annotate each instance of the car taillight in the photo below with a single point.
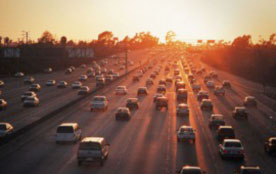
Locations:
(225, 151)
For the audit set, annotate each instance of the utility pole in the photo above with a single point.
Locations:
(26, 35)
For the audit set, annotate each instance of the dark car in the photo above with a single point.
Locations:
(122, 113)
(132, 103)
(240, 112)
(142, 91)
(161, 102)
(162, 82)
(135, 79)
(180, 85)
(215, 121)
(182, 95)
(270, 145)
(224, 132)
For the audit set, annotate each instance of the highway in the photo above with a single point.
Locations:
(147, 143)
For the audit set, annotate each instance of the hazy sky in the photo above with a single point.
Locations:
(190, 19)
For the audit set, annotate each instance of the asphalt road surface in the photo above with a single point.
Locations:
(147, 143)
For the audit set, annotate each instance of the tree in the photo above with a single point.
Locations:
(242, 41)
(6, 41)
(46, 38)
(0, 40)
(63, 41)
(170, 37)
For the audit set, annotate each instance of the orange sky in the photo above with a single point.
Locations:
(190, 19)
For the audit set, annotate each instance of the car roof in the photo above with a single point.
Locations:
(206, 100)
(122, 109)
(132, 99)
(68, 124)
(225, 127)
(92, 139)
(231, 141)
(216, 115)
(186, 127)
(143, 87)
(191, 167)
(240, 108)
(182, 105)
(250, 167)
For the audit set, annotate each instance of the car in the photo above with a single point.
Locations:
(219, 90)
(73, 68)
(156, 96)
(83, 66)
(99, 77)
(270, 145)
(28, 94)
(122, 67)
(135, 78)
(240, 112)
(48, 70)
(142, 91)
(226, 84)
(50, 83)
(76, 85)
(6, 129)
(162, 82)
(182, 110)
(206, 105)
(215, 121)
(213, 74)
(250, 101)
(178, 77)
(108, 78)
(62, 84)
(69, 71)
(210, 84)
(122, 113)
(161, 89)
(161, 102)
(31, 101)
(91, 74)
(224, 132)
(35, 87)
(231, 148)
(186, 70)
(116, 75)
(186, 133)
(100, 82)
(19, 74)
(29, 80)
(176, 72)
(182, 95)
(89, 70)
(169, 80)
(196, 87)
(83, 78)
(179, 85)
(68, 132)
(207, 78)
(248, 170)
(190, 77)
(121, 90)
(3, 104)
(153, 76)
(99, 103)
(132, 103)
(202, 95)
(83, 90)
(2, 83)
(149, 82)
(93, 149)
(110, 72)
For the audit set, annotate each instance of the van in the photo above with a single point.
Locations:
(93, 149)
(68, 132)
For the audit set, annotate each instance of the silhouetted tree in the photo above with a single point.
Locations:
(242, 41)
(6, 41)
(63, 41)
(46, 38)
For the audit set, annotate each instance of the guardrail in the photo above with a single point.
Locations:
(44, 118)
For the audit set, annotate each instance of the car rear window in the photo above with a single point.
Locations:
(232, 144)
(192, 172)
(65, 129)
(226, 131)
(90, 146)
(251, 171)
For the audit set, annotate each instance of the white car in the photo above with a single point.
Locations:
(5, 129)
(116, 75)
(2, 83)
(231, 148)
(186, 132)
(29, 80)
(50, 83)
(84, 90)
(3, 104)
(76, 85)
(28, 94)
(31, 101)
(83, 78)
(19, 74)
(182, 110)
(62, 84)
(68, 132)
(210, 84)
(206, 105)
(121, 90)
(99, 103)
(35, 87)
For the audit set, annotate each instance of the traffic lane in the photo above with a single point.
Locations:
(43, 153)
(54, 99)
(206, 146)
(249, 132)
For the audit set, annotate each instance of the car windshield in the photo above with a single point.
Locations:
(232, 144)
(189, 171)
(28, 93)
(227, 131)
(90, 146)
(273, 141)
(65, 129)
(186, 129)
(3, 127)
